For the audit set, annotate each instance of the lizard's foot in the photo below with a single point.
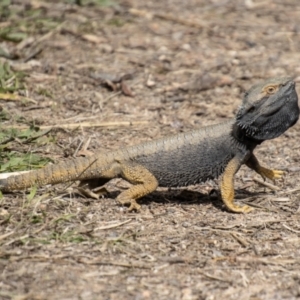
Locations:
(94, 194)
(133, 205)
(240, 209)
(93, 188)
(228, 200)
(270, 174)
(254, 164)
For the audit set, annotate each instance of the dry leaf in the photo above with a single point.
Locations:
(126, 90)
(93, 38)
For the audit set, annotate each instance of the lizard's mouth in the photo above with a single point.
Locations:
(259, 121)
(247, 129)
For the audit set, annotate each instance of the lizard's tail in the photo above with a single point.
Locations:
(70, 170)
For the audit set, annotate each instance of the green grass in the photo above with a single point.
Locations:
(93, 2)
(10, 81)
(12, 160)
(11, 139)
(30, 21)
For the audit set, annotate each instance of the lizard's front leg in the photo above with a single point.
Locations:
(253, 164)
(144, 182)
(227, 187)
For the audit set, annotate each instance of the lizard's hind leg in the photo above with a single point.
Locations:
(144, 182)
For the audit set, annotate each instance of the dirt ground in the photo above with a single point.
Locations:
(108, 74)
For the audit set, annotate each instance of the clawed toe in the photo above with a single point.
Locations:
(277, 173)
(246, 209)
(271, 174)
(134, 206)
(240, 209)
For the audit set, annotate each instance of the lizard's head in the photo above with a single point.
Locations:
(268, 109)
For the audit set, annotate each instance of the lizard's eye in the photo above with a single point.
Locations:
(270, 89)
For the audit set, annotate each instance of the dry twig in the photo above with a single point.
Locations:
(242, 241)
(83, 125)
(14, 97)
(167, 17)
(266, 184)
(113, 225)
(4, 236)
